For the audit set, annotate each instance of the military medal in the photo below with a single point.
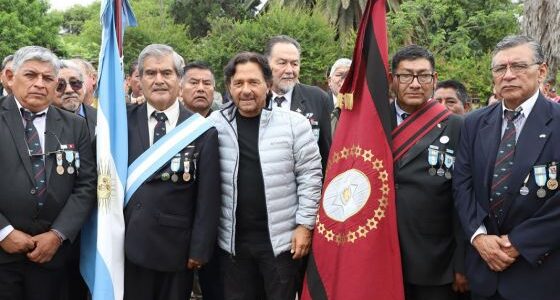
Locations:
(552, 183)
(524, 190)
(194, 165)
(59, 167)
(432, 159)
(77, 162)
(186, 169)
(165, 176)
(540, 179)
(175, 164)
(69, 154)
(449, 160)
(440, 171)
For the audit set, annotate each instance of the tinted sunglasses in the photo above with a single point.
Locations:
(75, 84)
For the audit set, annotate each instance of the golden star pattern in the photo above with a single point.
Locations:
(360, 231)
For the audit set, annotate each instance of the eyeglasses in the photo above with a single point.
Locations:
(75, 84)
(515, 68)
(409, 78)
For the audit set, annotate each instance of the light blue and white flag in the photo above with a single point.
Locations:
(102, 248)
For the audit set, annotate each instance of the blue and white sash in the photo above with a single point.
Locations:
(162, 151)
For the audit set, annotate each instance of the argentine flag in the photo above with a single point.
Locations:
(102, 248)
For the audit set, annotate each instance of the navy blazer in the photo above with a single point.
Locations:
(70, 197)
(532, 223)
(312, 102)
(169, 222)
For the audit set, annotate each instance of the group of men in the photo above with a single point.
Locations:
(477, 197)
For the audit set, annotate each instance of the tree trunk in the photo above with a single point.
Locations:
(541, 21)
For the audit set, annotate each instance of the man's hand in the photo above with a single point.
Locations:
(301, 242)
(193, 264)
(17, 242)
(460, 283)
(490, 249)
(46, 246)
(508, 247)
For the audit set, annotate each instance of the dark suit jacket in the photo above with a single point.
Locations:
(167, 223)
(91, 120)
(430, 235)
(70, 198)
(532, 223)
(312, 100)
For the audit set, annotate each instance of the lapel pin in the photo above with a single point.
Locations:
(438, 125)
(298, 110)
(542, 136)
(444, 139)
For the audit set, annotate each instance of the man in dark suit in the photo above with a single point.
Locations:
(284, 57)
(47, 179)
(424, 142)
(71, 92)
(171, 220)
(506, 186)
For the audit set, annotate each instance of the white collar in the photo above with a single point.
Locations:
(172, 112)
(20, 106)
(526, 107)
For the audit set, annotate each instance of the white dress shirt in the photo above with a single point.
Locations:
(287, 103)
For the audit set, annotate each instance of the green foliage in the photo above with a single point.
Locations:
(459, 33)
(26, 22)
(154, 26)
(317, 38)
(197, 13)
(73, 19)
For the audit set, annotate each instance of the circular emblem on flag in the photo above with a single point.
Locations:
(355, 201)
(104, 184)
(346, 195)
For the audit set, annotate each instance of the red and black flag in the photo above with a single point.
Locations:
(355, 252)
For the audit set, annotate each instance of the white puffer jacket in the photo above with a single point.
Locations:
(291, 170)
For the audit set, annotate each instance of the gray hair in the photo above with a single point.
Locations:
(6, 61)
(70, 64)
(518, 40)
(159, 50)
(41, 54)
(341, 62)
(280, 39)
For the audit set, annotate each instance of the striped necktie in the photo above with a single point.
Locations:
(36, 154)
(503, 166)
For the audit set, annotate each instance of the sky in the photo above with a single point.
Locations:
(64, 4)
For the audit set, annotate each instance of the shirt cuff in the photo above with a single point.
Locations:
(4, 232)
(60, 235)
(479, 231)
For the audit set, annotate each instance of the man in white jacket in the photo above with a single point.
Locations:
(271, 186)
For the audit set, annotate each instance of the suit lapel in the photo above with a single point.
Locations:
(529, 146)
(53, 129)
(489, 136)
(14, 122)
(142, 127)
(298, 101)
(421, 146)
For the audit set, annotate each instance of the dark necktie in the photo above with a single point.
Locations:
(160, 129)
(404, 116)
(503, 166)
(279, 100)
(36, 155)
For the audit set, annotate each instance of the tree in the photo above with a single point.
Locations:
(461, 34)
(155, 25)
(316, 35)
(344, 14)
(541, 21)
(26, 22)
(73, 19)
(196, 13)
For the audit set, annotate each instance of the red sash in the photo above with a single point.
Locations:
(416, 126)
